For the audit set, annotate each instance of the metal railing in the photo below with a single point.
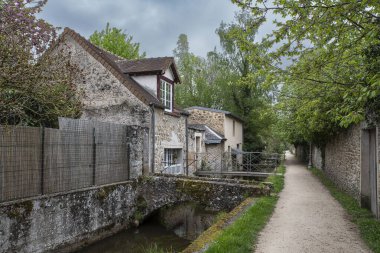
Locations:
(174, 169)
(237, 161)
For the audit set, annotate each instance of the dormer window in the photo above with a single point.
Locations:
(166, 91)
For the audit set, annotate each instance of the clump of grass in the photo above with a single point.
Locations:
(243, 233)
(154, 248)
(213, 232)
(220, 215)
(368, 226)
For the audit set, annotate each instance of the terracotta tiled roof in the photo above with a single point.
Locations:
(109, 61)
(149, 65)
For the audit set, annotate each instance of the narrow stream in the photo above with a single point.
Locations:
(171, 228)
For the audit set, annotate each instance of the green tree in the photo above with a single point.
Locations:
(332, 80)
(250, 97)
(194, 89)
(229, 80)
(118, 42)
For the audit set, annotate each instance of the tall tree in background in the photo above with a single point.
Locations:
(333, 81)
(191, 68)
(250, 96)
(36, 87)
(203, 79)
(230, 80)
(118, 42)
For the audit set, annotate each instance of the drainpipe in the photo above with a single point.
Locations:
(310, 157)
(187, 147)
(153, 132)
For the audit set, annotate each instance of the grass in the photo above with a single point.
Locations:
(368, 226)
(243, 233)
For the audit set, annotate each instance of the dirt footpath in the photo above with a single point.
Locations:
(308, 219)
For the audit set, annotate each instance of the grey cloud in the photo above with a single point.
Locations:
(155, 24)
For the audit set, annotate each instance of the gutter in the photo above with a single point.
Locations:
(153, 131)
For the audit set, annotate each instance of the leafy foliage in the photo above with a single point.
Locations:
(231, 80)
(117, 42)
(35, 86)
(333, 77)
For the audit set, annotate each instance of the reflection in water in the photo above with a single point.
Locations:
(172, 228)
(187, 220)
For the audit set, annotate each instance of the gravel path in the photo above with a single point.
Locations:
(308, 219)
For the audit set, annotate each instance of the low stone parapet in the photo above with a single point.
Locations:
(66, 221)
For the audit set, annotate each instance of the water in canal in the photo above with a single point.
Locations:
(171, 228)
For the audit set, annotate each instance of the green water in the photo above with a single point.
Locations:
(171, 229)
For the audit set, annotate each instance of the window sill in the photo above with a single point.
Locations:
(174, 114)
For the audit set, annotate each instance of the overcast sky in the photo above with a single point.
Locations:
(156, 24)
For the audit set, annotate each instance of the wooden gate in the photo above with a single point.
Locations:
(369, 170)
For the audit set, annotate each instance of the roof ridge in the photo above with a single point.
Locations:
(98, 53)
(105, 50)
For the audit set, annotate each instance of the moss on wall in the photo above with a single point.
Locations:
(20, 211)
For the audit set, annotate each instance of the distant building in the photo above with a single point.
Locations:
(223, 130)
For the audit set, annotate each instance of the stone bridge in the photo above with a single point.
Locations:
(65, 221)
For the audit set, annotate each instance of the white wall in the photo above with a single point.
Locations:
(169, 74)
(149, 82)
(233, 140)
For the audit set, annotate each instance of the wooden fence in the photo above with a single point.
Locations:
(35, 161)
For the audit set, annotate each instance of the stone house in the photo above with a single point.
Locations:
(352, 159)
(132, 92)
(223, 129)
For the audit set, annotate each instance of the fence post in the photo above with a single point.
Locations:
(93, 156)
(128, 161)
(42, 158)
(221, 164)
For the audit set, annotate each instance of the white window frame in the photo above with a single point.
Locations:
(171, 165)
(165, 88)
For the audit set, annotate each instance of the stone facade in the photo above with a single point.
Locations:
(192, 134)
(103, 96)
(63, 222)
(215, 150)
(215, 120)
(342, 160)
(170, 133)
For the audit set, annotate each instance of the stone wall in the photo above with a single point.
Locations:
(103, 96)
(215, 120)
(302, 152)
(63, 222)
(193, 164)
(342, 160)
(316, 157)
(215, 150)
(215, 156)
(170, 132)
